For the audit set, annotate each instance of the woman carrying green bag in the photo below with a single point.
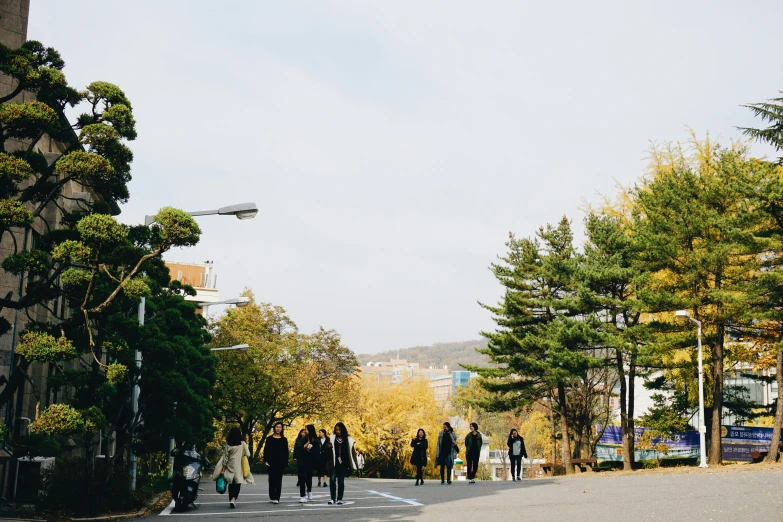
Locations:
(229, 467)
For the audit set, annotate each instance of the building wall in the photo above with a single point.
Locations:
(198, 275)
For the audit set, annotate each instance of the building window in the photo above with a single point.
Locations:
(179, 275)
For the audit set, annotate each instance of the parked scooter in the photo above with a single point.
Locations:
(187, 477)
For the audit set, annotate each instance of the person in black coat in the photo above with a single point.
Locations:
(307, 454)
(516, 450)
(276, 461)
(419, 456)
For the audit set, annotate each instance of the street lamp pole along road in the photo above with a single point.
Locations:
(702, 427)
(240, 211)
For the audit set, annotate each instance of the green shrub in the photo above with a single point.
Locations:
(62, 487)
(650, 464)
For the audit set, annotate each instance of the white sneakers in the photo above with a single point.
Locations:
(275, 502)
(339, 502)
(309, 495)
(302, 500)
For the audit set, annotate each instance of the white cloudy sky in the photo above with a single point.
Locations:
(392, 145)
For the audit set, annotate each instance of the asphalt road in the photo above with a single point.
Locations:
(692, 496)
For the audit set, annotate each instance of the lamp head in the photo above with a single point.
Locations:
(682, 313)
(241, 211)
(239, 301)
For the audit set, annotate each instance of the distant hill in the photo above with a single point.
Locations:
(438, 354)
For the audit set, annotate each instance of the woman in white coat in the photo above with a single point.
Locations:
(344, 455)
(230, 464)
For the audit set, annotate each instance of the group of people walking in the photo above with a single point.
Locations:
(447, 449)
(335, 456)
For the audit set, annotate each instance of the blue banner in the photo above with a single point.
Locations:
(683, 445)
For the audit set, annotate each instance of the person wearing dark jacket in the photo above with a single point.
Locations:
(473, 442)
(419, 456)
(446, 452)
(276, 460)
(516, 450)
(324, 439)
(307, 454)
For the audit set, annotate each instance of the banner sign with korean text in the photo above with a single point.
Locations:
(740, 443)
(610, 447)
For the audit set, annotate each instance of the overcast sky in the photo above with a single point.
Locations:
(391, 146)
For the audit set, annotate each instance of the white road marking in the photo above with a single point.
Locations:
(398, 499)
(291, 505)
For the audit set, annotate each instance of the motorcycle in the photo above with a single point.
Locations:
(188, 466)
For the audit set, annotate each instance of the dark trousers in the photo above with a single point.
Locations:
(419, 472)
(233, 491)
(275, 484)
(337, 482)
(516, 460)
(448, 475)
(473, 462)
(305, 480)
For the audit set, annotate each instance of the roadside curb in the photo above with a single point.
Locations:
(124, 516)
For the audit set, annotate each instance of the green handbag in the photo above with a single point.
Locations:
(221, 484)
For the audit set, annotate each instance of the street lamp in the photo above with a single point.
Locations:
(241, 211)
(240, 302)
(702, 428)
(235, 347)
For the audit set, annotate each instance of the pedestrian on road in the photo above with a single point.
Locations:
(344, 459)
(307, 453)
(230, 465)
(473, 443)
(323, 439)
(276, 461)
(446, 452)
(516, 450)
(359, 463)
(419, 456)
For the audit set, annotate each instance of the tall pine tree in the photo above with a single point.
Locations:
(696, 232)
(542, 343)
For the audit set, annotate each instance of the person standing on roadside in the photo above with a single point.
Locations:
(516, 450)
(473, 442)
(445, 452)
(419, 456)
(323, 439)
(276, 460)
(344, 458)
(230, 465)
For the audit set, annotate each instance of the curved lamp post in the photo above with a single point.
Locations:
(241, 211)
(702, 428)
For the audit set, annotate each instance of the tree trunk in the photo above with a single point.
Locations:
(566, 444)
(772, 456)
(714, 454)
(554, 427)
(627, 456)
